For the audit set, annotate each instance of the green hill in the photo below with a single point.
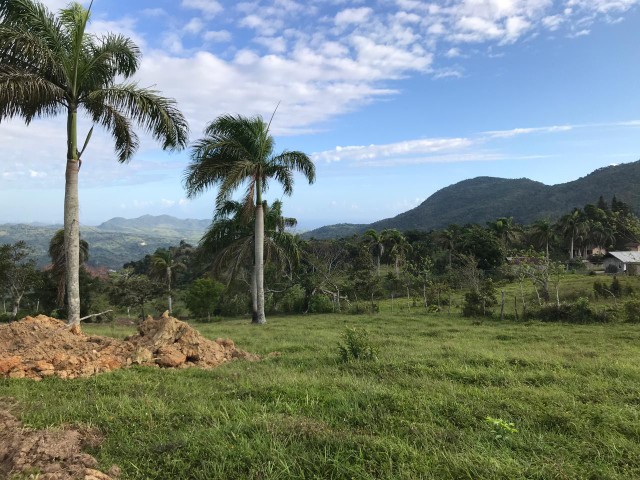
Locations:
(483, 199)
(114, 242)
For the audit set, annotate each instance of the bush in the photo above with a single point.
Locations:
(320, 304)
(477, 304)
(356, 346)
(579, 312)
(611, 268)
(292, 301)
(632, 310)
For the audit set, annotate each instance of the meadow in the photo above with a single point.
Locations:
(446, 398)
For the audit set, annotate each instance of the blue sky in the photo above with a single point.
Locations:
(393, 99)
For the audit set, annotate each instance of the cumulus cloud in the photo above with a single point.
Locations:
(208, 8)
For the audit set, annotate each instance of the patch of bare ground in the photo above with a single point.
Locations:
(51, 454)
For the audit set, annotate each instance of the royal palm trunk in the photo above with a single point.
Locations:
(259, 259)
(71, 222)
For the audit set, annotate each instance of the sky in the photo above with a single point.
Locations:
(392, 99)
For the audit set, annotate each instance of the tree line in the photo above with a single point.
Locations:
(412, 268)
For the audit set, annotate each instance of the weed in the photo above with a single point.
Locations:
(356, 346)
(500, 428)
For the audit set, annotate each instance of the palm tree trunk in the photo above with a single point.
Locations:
(254, 295)
(16, 307)
(72, 224)
(571, 249)
(259, 256)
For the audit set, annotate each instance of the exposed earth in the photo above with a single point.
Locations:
(41, 347)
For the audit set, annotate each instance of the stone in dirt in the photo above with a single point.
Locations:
(39, 347)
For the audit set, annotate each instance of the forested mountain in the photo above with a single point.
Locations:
(115, 241)
(483, 199)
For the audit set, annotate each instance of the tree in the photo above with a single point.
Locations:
(164, 268)
(237, 151)
(505, 230)
(542, 233)
(203, 297)
(18, 273)
(131, 290)
(58, 263)
(50, 65)
(375, 242)
(572, 226)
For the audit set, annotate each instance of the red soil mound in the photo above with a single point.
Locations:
(42, 347)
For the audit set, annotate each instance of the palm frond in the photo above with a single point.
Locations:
(28, 95)
(113, 55)
(126, 140)
(156, 114)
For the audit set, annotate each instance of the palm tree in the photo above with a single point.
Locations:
(375, 242)
(50, 65)
(573, 226)
(543, 233)
(238, 151)
(397, 246)
(164, 267)
(506, 231)
(58, 262)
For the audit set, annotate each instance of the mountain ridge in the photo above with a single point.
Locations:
(114, 242)
(483, 199)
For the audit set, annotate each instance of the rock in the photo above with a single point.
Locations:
(8, 364)
(170, 356)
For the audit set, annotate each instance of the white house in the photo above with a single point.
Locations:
(624, 262)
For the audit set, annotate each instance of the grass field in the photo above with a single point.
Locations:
(419, 411)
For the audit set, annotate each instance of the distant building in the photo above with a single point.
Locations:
(633, 247)
(623, 262)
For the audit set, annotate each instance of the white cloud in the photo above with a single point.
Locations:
(352, 15)
(194, 26)
(524, 131)
(217, 36)
(208, 8)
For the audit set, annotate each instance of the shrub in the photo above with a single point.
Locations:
(320, 304)
(611, 268)
(479, 303)
(356, 346)
(632, 310)
(579, 312)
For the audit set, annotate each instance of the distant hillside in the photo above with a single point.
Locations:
(114, 242)
(483, 199)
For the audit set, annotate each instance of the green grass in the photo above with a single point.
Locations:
(419, 411)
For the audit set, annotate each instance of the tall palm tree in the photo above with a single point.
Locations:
(397, 246)
(58, 262)
(506, 230)
(375, 242)
(165, 267)
(50, 65)
(238, 151)
(573, 226)
(543, 233)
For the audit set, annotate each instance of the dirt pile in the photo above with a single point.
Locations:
(42, 347)
(48, 454)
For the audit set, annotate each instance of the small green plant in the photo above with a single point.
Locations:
(501, 428)
(356, 346)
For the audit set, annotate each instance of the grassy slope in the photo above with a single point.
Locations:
(418, 412)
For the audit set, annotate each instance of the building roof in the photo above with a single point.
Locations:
(626, 257)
